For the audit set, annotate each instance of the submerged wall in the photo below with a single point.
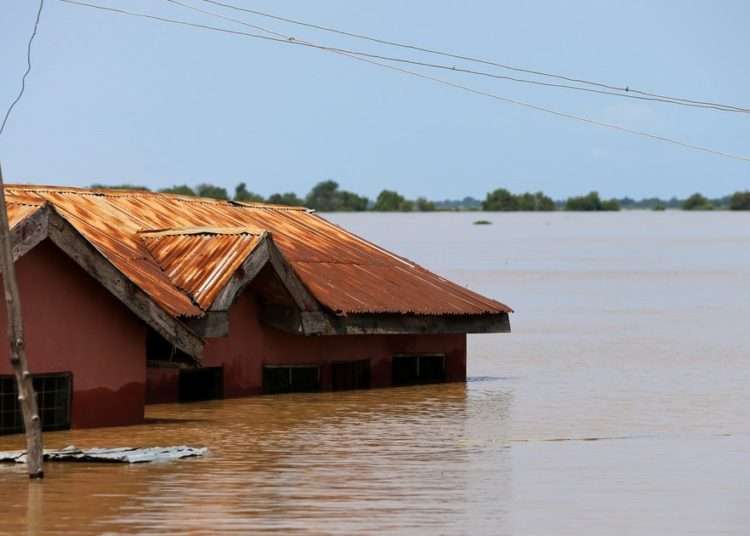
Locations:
(73, 324)
(250, 345)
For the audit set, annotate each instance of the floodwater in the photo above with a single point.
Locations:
(620, 404)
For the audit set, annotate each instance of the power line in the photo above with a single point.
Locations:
(28, 68)
(457, 69)
(471, 90)
(626, 89)
(422, 76)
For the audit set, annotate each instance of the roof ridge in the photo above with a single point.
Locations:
(127, 192)
(201, 230)
(341, 269)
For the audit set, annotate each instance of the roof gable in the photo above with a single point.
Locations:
(200, 261)
(174, 249)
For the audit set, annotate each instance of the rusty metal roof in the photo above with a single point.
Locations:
(182, 250)
(18, 211)
(200, 264)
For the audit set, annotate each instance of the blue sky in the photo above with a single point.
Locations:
(115, 99)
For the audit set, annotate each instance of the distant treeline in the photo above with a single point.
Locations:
(326, 196)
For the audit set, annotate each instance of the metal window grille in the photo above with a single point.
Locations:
(412, 369)
(291, 378)
(53, 392)
(350, 375)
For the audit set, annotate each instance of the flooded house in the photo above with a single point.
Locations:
(133, 297)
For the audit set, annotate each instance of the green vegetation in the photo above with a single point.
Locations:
(468, 203)
(120, 187)
(242, 194)
(483, 222)
(326, 196)
(182, 189)
(390, 201)
(591, 203)
(289, 198)
(422, 204)
(697, 202)
(740, 201)
(502, 200)
(209, 190)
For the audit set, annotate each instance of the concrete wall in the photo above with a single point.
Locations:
(251, 344)
(72, 324)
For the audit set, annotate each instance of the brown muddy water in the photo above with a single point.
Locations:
(620, 404)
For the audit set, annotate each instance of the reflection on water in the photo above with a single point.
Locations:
(620, 404)
(342, 463)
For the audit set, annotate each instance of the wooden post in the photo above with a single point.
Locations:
(26, 395)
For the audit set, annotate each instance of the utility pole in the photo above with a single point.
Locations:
(26, 394)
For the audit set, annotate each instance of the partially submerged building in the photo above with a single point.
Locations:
(133, 297)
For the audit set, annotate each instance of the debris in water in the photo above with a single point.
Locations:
(483, 222)
(116, 455)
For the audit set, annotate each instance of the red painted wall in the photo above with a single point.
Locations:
(251, 344)
(72, 324)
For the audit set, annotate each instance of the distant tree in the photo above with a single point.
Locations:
(534, 202)
(654, 203)
(544, 203)
(390, 201)
(500, 200)
(241, 193)
(591, 203)
(326, 197)
(740, 201)
(209, 190)
(288, 199)
(119, 187)
(424, 205)
(525, 202)
(323, 196)
(697, 202)
(470, 203)
(182, 189)
(351, 202)
(467, 204)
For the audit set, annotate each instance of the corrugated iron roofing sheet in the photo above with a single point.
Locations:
(18, 212)
(183, 269)
(200, 264)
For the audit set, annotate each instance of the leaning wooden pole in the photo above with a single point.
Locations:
(26, 395)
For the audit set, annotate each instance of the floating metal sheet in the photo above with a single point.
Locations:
(113, 455)
(345, 273)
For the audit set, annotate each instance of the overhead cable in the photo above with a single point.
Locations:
(28, 68)
(624, 90)
(456, 69)
(292, 40)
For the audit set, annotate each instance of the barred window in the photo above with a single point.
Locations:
(350, 375)
(53, 395)
(291, 378)
(420, 368)
(206, 383)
